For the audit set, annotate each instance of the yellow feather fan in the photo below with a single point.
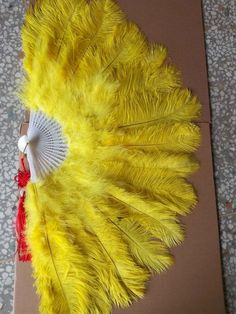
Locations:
(101, 223)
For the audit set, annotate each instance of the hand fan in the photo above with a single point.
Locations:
(113, 142)
(44, 145)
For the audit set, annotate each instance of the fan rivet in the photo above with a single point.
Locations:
(22, 143)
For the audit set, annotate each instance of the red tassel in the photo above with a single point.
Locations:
(22, 179)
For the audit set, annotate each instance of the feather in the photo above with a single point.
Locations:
(165, 164)
(127, 278)
(170, 191)
(148, 252)
(180, 137)
(59, 261)
(162, 223)
(102, 222)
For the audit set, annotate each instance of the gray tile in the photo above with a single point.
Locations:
(220, 26)
(6, 287)
(11, 16)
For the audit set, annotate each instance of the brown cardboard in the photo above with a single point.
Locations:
(25, 299)
(194, 284)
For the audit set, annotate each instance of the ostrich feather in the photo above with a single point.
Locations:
(102, 222)
(149, 252)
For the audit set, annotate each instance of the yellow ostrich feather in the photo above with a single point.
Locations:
(103, 222)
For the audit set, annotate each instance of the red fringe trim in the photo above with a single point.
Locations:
(22, 179)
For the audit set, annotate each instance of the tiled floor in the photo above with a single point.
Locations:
(220, 27)
(11, 17)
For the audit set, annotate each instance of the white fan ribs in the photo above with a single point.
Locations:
(44, 145)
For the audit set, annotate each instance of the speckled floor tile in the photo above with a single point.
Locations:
(6, 284)
(11, 16)
(220, 19)
(220, 30)
(228, 244)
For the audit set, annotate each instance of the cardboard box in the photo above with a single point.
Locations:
(194, 284)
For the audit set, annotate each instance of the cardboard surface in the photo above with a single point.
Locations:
(194, 284)
(25, 300)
